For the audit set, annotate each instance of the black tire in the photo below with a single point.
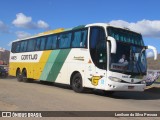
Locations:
(19, 76)
(77, 84)
(24, 76)
(4, 75)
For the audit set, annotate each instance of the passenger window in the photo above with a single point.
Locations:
(43, 43)
(38, 43)
(23, 47)
(17, 49)
(51, 42)
(79, 39)
(14, 47)
(65, 40)
(54, 43)
(31, 45)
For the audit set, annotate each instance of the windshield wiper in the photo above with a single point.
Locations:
(140, 70)
(132, 62)
(137, 66)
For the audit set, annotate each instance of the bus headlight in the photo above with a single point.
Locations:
(114, 79)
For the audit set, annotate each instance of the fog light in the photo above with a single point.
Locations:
(143, 82)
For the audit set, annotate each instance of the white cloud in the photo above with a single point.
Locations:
(24, 21)
(42, 24)
(3, 28)
(150, 54)
(22, 34)
(148, 28)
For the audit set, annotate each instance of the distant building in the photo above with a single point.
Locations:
(1, 62)
(4, 57)
(2, 49)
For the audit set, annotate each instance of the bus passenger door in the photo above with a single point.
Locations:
(98, 52)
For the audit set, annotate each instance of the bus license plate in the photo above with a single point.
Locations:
(130, 87)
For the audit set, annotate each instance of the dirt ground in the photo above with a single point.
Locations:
(35, 96)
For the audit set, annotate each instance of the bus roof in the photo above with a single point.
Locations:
(108, 25)
(59, 30)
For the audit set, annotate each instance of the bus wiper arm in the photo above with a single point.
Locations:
(138, 66)
(135, 62)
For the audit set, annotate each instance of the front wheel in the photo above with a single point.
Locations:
(77, 83)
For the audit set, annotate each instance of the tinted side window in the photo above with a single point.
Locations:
(98, 47)
(43, 43)
(38, 43)
(14, 45)
(65, 40)
(51, 42)
(23, 47)
(31, 45)
(17, 47)
(79, 39)
(54, 43)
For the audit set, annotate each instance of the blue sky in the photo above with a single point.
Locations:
(19, 18)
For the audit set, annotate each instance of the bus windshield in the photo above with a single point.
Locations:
(130, 57)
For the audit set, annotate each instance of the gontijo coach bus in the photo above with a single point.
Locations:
(97, 56)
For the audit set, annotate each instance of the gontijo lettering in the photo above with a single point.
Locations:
(29, 57)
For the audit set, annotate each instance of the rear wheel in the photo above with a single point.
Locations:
(19, 76)
(77, 83)
(4, 74)
(24, 76)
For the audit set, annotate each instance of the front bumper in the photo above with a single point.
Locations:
(118, 86)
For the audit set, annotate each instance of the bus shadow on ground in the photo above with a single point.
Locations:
(58, 85)
(152, 93)
(155, 90)
(7, 77)
(149, 94)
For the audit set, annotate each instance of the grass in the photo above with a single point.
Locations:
(158, 80)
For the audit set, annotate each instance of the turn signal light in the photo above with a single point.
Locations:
(89, 61)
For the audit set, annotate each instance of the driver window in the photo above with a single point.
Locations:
(98, 47)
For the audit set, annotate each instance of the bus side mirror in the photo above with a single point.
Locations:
(154, 51)
(113, 44)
